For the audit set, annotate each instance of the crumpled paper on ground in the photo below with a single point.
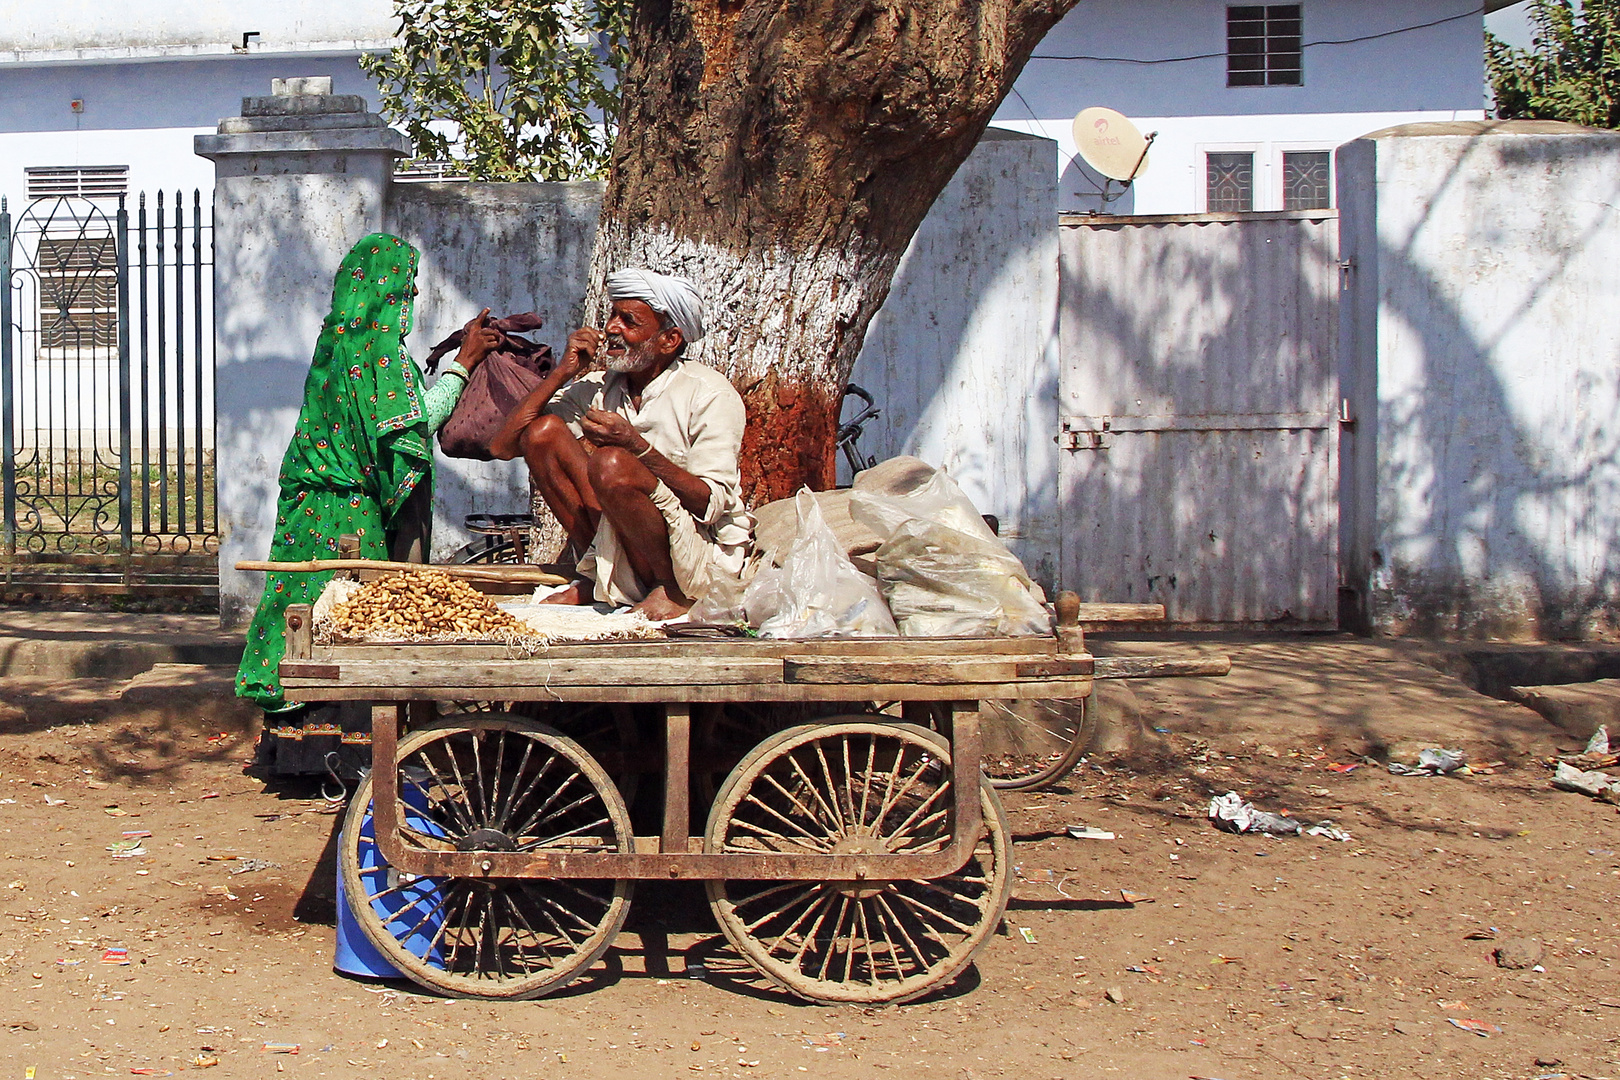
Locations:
(1230, 813)
(1599, 785)
(1432, 762)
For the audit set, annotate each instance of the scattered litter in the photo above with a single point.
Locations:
(1129, 897)
(832, 1040)
(117, 955)
(1433, 762)
(1599, 742)
(20, 1025)
(1087, 832)
(137, 834)
(114, 811)
(151, 1072)
(8, 802)
(1338, 768)
(1027, 934)
(126, 849)
(280, 1048)
(53, 802)
(1481, 935)
(1230, 813)
(696, 971)
(1599, 785)
(1143, 969)
(210, 795)
(248, 866)
(1478, 1027)
(203, 1061)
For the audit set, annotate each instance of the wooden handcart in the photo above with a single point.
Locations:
(862, 856)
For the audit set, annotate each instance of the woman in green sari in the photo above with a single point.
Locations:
(361, 458)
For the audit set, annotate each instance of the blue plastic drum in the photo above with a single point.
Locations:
(412, 914)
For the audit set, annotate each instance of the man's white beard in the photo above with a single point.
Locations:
(636, 358)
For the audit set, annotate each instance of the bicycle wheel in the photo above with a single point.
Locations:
(1032, 743)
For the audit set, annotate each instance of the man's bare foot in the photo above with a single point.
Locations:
(659, 605)
(573, 596)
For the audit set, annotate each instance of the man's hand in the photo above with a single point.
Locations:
(603, 428)
(580, 352)
(479, 340)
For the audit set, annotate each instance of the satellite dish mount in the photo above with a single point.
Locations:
(1113, 146)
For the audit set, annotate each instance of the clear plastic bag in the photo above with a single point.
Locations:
(816, 592)
(944, 573)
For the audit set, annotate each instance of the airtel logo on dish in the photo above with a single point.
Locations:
(1101, 126)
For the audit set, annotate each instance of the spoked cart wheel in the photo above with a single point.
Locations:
(853, 785)
(487, 782)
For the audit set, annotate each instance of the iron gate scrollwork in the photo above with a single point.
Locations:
(106, 385)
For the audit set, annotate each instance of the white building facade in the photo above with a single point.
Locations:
(106, 97)
(1248, 100)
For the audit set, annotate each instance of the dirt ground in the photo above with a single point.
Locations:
(1248, 957)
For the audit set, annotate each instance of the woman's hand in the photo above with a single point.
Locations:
(479, 340)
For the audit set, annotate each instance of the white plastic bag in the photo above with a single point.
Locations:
(944, 573)
(816, 592)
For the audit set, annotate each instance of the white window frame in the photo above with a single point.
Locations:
(1281, 148)
(1262, 171)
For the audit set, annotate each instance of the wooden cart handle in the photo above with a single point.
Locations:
(532, 575)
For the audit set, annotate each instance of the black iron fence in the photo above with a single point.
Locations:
(107, 394)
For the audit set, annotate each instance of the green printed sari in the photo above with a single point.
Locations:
(361, 446)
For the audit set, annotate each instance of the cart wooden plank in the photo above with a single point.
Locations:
(930, 670)
(306, 690)
(547, 671)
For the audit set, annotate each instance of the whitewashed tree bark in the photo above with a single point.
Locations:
(782, 156)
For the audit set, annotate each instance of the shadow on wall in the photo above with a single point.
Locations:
(1226, 324)
(510, 248)
(1496, 510)
(961, 357)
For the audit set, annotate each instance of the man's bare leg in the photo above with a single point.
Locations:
(624, 487)
(559, 466)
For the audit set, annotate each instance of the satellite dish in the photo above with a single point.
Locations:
(1111, 144)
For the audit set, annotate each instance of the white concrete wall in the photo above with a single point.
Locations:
(1481, 344)
(511, 248)
(1436, 73)
(962, 358)
(35, 31)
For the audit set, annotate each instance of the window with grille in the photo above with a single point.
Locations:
(1306, 180)
(1229, 182)
(1263, 45)
(78, 292)
(77, 181)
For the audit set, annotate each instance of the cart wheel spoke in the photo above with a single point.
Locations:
(855, 786)
(462, 781)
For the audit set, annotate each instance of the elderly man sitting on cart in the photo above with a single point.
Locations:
(639, 462)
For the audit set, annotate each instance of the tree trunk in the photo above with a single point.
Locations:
(781, 156)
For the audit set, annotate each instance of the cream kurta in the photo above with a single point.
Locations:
(692, 415)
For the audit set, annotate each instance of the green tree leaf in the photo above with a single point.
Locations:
(1571, 71)
(513, 90)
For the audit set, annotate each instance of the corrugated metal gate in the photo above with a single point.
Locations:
(1200, 414)
(107, 397)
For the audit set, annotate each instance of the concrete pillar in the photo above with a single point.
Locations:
(300, 176)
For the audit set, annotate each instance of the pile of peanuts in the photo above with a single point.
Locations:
(421, 604)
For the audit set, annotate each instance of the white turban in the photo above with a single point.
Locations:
(668, 295)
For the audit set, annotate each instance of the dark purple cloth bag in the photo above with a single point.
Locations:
(495, 387)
